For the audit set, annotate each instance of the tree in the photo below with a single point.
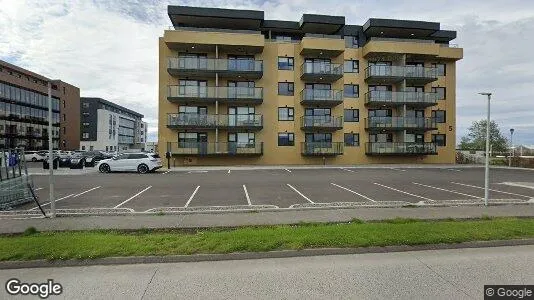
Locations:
(476, 137)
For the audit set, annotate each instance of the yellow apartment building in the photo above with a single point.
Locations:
(236, 89)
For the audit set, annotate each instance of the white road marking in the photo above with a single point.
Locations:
(38, 189)
(57, 200)
(348, 170)
(518, 184)
(246, 194)
(127, 200)
(346, 189)
(403, 192)
(191, 172)
(84, 192)
(455, 170)
(165, 172)
(450, 191)
(398, 169)
(479, 187)
(228, 171)
(192, 195)
(302, 195)
(288, 170)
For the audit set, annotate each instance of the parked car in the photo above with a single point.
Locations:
(93, 157)
(77, 161)
(33, 156)
(139, 162)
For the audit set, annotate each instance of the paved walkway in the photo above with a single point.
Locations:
(434, 274)
(206, 220)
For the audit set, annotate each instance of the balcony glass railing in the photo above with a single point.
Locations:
(400, 97)
(401, 148)
(215, 64)
(322, 95)
(400, 122)
(400, 71)
(211, 92)
(321, 122)
(322, 68)
(212, 148)
(207, 121)
(321, 148)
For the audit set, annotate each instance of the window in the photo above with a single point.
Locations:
(439, 139)
(85, 135)
(442, 69)
(64, 117)
(285, 63)
(440, 91)
(286, 139)
(85, 105)
(351, 90)
(439, 116)
(285, 88)
(83, 148)
(85, 124)
(352, 139)
(351, 41)
(242, 139)
(381, 138)
(64, 103)
(352, 115)
(64, 130)
(351, 66)
(286, 114)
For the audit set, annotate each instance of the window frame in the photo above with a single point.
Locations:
(354, 119)
(291, 117)
(290, 88)
(290, 63)
(435, 90)
(434, 113)
(355, 70)
(354, 86)
(444, 139)
(353, 143)
(436, 65)
(290, 139)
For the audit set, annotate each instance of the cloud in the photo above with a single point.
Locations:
(109, 48)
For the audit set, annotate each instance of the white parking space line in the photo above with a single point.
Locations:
(192, 195)
(403, 192)
(455, 170)
(445, 190)
(302, 195)
(166, 172)
(348, 170)
(493, 190)
(229, 171)
(288, 170)
(127, 200)
(84, 192)
(38, 189)
(349, 190)
(57, 200)
(246, 194)
(192, 172)
(518, 185)
(398, 169)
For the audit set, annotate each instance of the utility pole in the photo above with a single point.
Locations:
(486, 173)
(50, 156)
(511, 146)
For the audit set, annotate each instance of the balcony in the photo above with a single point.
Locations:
(378, 46)
(404, 149)
(325, 98)
(321, 123)
(205, 40)
(204, 121)
(322, 45)
(388, 98)
(400, 123)
(215, 149)
(321, 148)
(183, 94)
(193, 67)
(321, 72)
(394, 74)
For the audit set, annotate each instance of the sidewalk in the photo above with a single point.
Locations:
(235, 219)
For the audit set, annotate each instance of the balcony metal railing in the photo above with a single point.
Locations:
(213, 148)
(400, 148)
(322, 68)
(321, 148)
(400, 123)
(323, 36)
(215, 64)
(401, 72)
(401, 97)
(321, 122)
(213, 121)
(212, 92)
(322, 95)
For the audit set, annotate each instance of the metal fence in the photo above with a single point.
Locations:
(15, 184)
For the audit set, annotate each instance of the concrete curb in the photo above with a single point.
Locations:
(255, 255)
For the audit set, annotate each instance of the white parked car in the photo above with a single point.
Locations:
(140, 162)
(33, 156)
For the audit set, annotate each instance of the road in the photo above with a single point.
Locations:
(438, 274)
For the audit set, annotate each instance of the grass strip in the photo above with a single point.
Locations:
(97, 244)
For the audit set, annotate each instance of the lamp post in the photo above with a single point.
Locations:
(50, 156)
(486, 172)
(511, 146)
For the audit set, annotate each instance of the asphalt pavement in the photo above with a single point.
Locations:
(435, 274)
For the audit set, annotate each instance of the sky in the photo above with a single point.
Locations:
(109, 49)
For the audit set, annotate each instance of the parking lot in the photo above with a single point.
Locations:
(280, 188)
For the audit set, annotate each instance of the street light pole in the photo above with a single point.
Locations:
(511, 145)
(486, 172)
(50, 156)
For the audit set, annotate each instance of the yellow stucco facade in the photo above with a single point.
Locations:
(215, 45)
